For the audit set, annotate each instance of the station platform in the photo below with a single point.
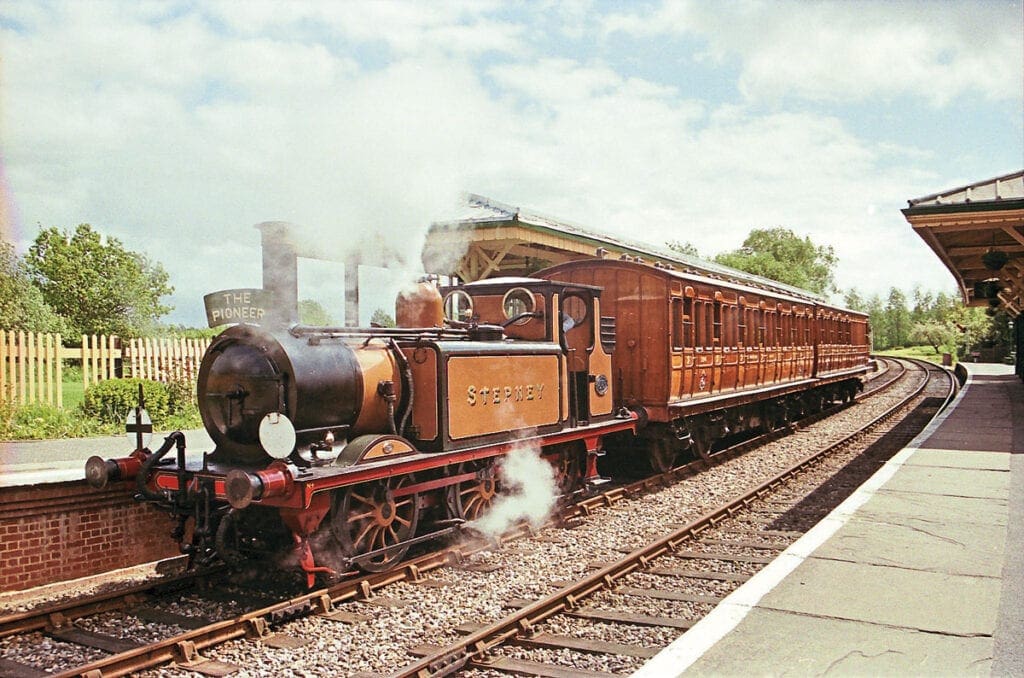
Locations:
(35, 462)
(919, 573)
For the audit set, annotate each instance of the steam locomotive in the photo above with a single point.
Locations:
(337, 449)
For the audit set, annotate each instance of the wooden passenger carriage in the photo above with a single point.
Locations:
(704, 358)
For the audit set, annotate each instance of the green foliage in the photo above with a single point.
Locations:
(922, 352)
(98, 286)
(181, 398)
(110, 401)
(22, 306)
(897, 317)
(312, 313)
(853, 301)
(934, 333)
(779, 254)
(937, 320)
(187, 332)
(102, 411)
(380, 318)
(44, 422)
(685, 248)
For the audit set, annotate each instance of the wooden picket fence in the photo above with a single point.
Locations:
(32, 364)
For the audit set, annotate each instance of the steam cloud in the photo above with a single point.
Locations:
(529, 492)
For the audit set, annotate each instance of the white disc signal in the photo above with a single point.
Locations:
(138, 427)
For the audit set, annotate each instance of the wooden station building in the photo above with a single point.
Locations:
(978, 233)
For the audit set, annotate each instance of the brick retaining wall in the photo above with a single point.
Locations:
(60, 531)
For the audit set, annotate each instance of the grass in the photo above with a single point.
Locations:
(922, 352)
(74, 393)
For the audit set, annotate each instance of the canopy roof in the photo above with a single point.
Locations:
(978, 232)
(498, 239)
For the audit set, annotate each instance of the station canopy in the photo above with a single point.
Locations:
(978, 233)
(489, 238)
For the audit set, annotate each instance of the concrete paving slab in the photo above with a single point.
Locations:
(957, 482)
(783, 644)
(890, 596)
(972, 441)
(924, 510)
(991, 461)
(950, 548)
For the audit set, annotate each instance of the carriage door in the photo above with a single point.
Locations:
(577, 329)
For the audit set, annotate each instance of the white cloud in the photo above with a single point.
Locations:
(178, 133)
(842, 51)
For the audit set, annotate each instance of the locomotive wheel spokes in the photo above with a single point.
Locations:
(568, 470)
(471, 499)
(367, 518)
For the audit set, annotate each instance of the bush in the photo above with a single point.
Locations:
(181, 394)
(45, 422)
(184, 408)
(110, 401)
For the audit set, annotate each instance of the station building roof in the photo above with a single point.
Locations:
(978, 232)
(498, 239)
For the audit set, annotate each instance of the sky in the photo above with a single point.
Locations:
(177, 126)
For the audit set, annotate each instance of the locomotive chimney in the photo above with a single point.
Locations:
(280, 271)
(419, 306)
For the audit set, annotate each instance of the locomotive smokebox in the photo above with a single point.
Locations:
(316, 379)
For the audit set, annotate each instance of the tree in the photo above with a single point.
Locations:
(854, 301)
(779, 254)
(685, 248)
(96, 284)
(312, 312)
(22, 306)
(876, 316)
(381, 318)
(898, 317)
(933, 333)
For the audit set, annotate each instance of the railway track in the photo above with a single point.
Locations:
(282, 626)
(725, 547)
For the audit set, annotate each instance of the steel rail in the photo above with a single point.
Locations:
(473, 646)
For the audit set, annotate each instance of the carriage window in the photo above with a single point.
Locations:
(729, 325)
(717, 323)
(688, 322)
(709, 324)
(517, 302)
(677, 324)
(705, 320)
(458, 306)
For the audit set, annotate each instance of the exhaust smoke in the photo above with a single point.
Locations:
(529, 492)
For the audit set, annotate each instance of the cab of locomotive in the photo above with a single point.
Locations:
(569, 315)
